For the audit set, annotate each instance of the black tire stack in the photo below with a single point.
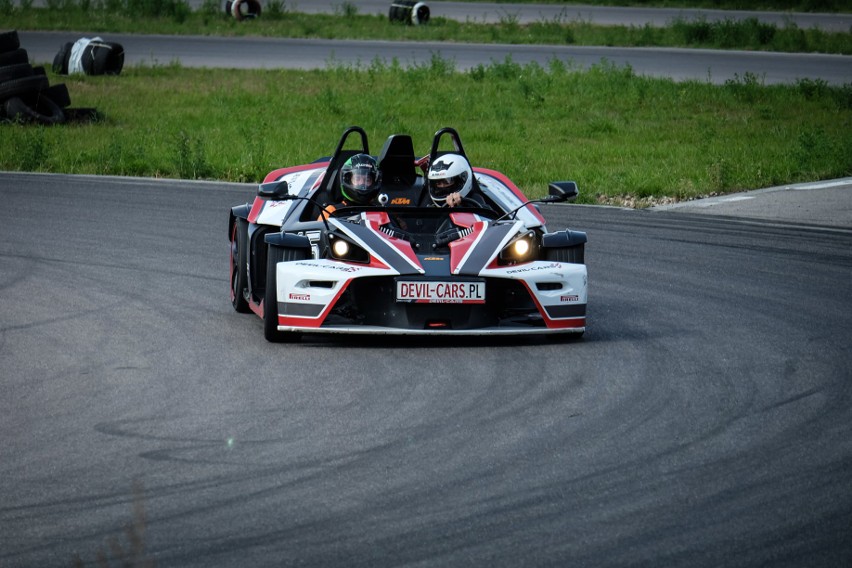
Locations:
(409, 12)
(243, 9)
(98, 58)
(25, 95)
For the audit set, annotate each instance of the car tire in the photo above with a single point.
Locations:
(60, 61)
(409, 12)
(59, 94)
(9, 41)
(16, 71)
(40, 110)
(107, 58)
(574, 254)
(14, 57)
(22, 87)
(87, 60)
(252, 9)
(239, 272)
(274, 255)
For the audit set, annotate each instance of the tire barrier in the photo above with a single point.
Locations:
(409, 12)
(59, 94)
(26, 96)
(9, 72)
(40, 109)
(22, 87)
(19, 55)
(60, 61)
(243, 9)
(9, 41)
(90, 56)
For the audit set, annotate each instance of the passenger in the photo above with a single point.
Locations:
(360, 182)
(451, 181)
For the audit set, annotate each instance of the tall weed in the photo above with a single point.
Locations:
(190, 157)
(34, 151)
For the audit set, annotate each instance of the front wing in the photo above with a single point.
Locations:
(328, 296)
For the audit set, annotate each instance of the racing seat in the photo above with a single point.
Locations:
(399, 175)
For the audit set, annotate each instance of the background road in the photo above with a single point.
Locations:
(705, 419)
(271, 53)
(492, 12)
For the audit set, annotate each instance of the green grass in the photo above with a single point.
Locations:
(615, 133)
(174, 17)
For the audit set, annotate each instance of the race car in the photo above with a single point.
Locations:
(402, 265)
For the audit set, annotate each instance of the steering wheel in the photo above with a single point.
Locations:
(469, 202)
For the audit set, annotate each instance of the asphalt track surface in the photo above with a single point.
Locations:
(493, 12)
(712, 66)
(704, 420)
(826, 203)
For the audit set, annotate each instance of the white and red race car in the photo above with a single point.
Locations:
(401, 267)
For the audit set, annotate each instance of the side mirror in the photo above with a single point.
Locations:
(560, 191)
(277, 190)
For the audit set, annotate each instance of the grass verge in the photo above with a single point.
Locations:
(175, 17)
(613, 132)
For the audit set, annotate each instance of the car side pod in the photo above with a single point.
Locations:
(561, 239)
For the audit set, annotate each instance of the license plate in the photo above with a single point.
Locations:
(425, 292)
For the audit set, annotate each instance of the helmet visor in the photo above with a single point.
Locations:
(444, 186)
(361, 178)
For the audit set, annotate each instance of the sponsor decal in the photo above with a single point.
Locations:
(400, 201)
(300, 297)
(534, 268)
(273, 204)
(434, 258)
(571, 298)
(441, 165)
(338, 267)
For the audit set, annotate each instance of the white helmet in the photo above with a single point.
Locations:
(449, 173)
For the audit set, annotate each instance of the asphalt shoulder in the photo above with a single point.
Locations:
(824, 203)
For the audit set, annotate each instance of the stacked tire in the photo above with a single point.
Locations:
(409, 12)
(25, 95)
(243, 9)
(90, 56)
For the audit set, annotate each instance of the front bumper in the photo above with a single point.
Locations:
(329, 297)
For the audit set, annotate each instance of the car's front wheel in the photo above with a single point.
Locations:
(239, 262)
(274, 255)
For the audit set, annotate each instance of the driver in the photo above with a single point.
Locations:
(451, 181)
(360, 182)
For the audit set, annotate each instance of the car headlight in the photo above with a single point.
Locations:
(340, 248)
(523, 248)
(347, 251)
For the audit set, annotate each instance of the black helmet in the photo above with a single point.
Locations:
(360, 179)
